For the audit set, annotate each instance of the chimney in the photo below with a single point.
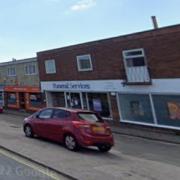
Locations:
(154, 21)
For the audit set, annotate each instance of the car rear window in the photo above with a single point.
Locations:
(89, 117)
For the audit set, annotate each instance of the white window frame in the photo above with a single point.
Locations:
(46, 66)
(134, 56)
(79, 59)
(28, 73)
(8, 71)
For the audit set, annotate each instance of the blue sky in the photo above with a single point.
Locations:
(29, 26)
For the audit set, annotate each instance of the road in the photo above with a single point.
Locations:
(131, 159)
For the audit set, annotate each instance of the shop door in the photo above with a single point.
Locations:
(74, 100)
(58, 99)
(22, 100)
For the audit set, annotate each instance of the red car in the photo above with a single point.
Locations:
(74, 128)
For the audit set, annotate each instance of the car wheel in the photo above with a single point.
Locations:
(71, 143)
(104, 148)
(28, 131)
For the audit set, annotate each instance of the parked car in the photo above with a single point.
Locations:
(75, 128)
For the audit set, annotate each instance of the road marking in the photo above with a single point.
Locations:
(50, 173)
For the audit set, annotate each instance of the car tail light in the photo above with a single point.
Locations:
(108, 131)
(84, 127)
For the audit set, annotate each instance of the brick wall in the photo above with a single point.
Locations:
(162, 49)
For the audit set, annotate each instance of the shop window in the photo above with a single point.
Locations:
(12, 98)
(36, 100)
(30, 69)
(74, 100)
(167, 108)
(1, 99)
(135, 108)
(99, 103)
(84, 63)
(1, 96)
(11, 71)
(50, 66)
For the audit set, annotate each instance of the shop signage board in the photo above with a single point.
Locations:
(21, 89)
(84, 86)
(157, 86)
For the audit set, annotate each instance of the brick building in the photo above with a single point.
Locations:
(132, 78)
(20, 84)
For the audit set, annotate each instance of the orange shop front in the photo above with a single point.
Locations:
(24, 97)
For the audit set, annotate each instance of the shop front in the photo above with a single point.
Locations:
(98, 102)
(1, 95)
(157, 105)
(90, 95)
(160, 110)
(27, 98)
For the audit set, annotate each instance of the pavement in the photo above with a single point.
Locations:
(17, 167)
(131, 159)
(12, 170)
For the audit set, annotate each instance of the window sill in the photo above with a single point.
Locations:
(85, 70)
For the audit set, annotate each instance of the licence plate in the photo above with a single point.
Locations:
(98, 129)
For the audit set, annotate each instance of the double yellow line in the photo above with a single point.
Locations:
(50, 173)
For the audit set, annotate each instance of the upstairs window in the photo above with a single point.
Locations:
(84, 63)
(134, 58)
(50, 66)
(11, 71)
(30, 69)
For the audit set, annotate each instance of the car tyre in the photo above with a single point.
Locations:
(28, 131)
(104, 148)
(70, 142)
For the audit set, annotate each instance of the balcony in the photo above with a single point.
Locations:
(136, 68)
(138, 75)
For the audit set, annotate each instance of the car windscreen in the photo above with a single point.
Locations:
(92, 117)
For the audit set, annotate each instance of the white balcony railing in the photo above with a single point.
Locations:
(138, 74)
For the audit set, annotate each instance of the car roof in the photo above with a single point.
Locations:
(71, 109)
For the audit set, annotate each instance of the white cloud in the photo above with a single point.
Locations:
(83, 5)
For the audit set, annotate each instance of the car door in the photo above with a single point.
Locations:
(40, 124)
(60, 120)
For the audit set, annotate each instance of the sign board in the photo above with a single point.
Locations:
(82, 86)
